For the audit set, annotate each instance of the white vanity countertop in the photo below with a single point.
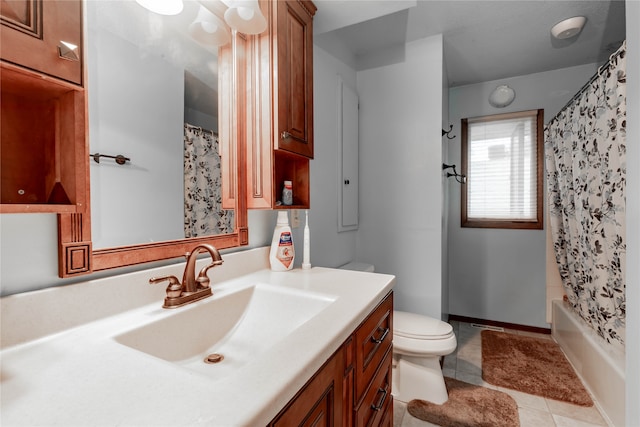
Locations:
(82, 376)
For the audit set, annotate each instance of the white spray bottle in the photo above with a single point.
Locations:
(282, 253)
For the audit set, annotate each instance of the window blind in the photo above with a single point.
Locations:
(501, 168)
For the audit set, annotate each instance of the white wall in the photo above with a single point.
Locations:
(633, 213)
(328, 247)
(445, 197)
(400, 173)
(495, 274)
(29, 251)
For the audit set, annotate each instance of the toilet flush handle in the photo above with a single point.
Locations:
(384, 335)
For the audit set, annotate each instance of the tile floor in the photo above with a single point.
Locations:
(465, 365)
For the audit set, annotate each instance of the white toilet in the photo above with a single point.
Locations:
(418, 343)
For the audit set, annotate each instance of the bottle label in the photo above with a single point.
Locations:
(287, 196)
(285, 249)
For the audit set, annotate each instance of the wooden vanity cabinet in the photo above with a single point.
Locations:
(320, 402)
(353, 388)
(373, 340)
(43, 145)
(372, 368)
(280, 112)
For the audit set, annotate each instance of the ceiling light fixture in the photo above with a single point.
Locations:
(502, 96)
(208, 29)
(246, 17)
(568, 28)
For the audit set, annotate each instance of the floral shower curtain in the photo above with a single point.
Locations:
(203, 213)
(586, 169)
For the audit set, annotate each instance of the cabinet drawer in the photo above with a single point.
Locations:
(377, 401)
(373, 340)
(387, 417)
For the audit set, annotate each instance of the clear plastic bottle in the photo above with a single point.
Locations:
(287, 193)
(282, 253)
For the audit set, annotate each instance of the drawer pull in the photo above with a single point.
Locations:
(384, 335)
(381, 401)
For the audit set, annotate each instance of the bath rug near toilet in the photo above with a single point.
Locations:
(531, 365)
(468, 406)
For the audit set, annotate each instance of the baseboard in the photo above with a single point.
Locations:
(501, 324)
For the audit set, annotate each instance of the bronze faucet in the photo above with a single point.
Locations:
(192, 288)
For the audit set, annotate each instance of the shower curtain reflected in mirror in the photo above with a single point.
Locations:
(586, 173)
(203, 213)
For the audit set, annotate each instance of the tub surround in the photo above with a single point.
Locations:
(600, 366)
(62, 366)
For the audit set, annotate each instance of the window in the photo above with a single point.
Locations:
(502, 160)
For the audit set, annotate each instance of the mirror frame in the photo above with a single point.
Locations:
(75, 254)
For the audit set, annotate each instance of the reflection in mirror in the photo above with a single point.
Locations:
(152, 94)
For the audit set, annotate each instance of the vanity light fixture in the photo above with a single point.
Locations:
(568, 28)
(502, 96)
(208, 29)
(162, 7)
(246, 17)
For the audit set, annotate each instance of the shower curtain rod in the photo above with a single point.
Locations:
(200, 128)
(622, 48)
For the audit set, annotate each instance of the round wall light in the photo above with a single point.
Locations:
(208, 29)
(246, 17)
(568, 28)
(502, 96)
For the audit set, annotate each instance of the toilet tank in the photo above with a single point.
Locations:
(358, 266)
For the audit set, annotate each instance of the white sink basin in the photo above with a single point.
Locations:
(239, 326)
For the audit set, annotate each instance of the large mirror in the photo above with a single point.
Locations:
(168, 104)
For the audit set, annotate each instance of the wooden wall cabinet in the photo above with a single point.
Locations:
(353, 388)
(293, 38)
(41, 35)
(43, 145)
(280, 109)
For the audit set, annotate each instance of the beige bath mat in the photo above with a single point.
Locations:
(468, 406)
(531, 365)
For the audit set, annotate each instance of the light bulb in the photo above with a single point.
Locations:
(246, 17)
(245, 13)
(208, 29)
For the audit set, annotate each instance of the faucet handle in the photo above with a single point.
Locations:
(174, 289)
(203, 279)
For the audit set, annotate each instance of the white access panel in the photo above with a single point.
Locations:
(348, 157)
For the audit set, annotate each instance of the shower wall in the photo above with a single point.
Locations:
(495, 274)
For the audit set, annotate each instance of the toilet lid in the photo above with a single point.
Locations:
(417, 326)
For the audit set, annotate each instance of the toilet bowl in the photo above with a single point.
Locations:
(418, 344)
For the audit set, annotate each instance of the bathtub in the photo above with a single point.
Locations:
(601, 367)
